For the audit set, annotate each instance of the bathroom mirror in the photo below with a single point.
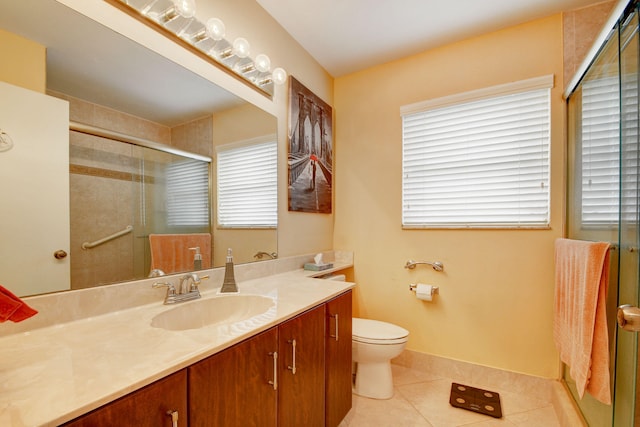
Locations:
(116, 84)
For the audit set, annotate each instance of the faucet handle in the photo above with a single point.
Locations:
(197, 280)
(171, 290)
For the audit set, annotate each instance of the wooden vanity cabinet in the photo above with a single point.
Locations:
(235, 386)
(338, 358)
(302, 368)
(147, 407)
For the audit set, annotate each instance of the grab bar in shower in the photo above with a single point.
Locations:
(87, 245)
(437, 265)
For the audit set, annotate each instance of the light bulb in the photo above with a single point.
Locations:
(263, 63)
(279, 76)
(241, 47)
(186, 8)
(215, 29)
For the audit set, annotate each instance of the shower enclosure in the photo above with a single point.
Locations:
(121, 193)
(603, 200)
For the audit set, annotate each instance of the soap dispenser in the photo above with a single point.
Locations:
(229, 282)
(197, 258)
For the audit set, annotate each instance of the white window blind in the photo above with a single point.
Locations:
(479, 163)
(247, 184)
(600, 153)
(188, 193)
(630, 155)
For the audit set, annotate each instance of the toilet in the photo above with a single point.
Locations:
(374, 344)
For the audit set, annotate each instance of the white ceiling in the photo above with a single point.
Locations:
(345, 36)
(88, 61)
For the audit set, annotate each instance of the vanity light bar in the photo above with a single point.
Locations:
(176, 19)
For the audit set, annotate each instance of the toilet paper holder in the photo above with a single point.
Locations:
(435, 290)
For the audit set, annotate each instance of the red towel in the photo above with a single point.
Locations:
(13, 308)
(580, 316)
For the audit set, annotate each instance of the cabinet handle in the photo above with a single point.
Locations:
(274, 383)
(293, 368)
(174, 418)
(336, 335)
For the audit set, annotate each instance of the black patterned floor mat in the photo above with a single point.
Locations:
(476, 400)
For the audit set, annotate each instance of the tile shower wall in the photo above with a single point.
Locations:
(103, 193)
(579, 30)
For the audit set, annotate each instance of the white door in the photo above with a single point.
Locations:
(34, 192)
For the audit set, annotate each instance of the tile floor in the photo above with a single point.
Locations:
(422, 399)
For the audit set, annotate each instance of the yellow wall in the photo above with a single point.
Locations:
(496, 292)
(27, 66)
(298, 232)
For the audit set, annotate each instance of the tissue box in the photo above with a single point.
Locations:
(310, 266)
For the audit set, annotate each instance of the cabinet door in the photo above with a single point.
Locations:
(301, 372)
(232, 388)
(256, 394)
(338, 359)
(147, 407)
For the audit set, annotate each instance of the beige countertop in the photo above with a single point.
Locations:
(53, 374)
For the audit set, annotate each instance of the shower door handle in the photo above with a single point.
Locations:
(629, 318)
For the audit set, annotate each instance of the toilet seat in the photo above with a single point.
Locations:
(376, 332)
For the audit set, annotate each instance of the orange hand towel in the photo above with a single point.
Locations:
(170, 252)
(580, 321)
(13, 308)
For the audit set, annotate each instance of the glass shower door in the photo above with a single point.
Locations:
(594, 186)
(626, 409)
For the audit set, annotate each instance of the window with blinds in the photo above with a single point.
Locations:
(247, 177)
(478, 160)
(188, 193)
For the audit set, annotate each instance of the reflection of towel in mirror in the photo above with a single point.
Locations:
(580, 316)
(170, 252)
(13, 308)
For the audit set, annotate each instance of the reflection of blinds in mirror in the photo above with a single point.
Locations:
(600, 151)
(188, 193)
(247, 184)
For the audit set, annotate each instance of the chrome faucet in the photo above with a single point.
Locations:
(187, 288)
(156, 272)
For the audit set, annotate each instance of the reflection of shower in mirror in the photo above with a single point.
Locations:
(115, 182)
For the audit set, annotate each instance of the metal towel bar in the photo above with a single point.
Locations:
(87, 245)
(437, 265)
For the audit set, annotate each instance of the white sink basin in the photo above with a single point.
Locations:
(210, 311)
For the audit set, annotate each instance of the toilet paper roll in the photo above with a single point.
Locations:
(424, 292)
